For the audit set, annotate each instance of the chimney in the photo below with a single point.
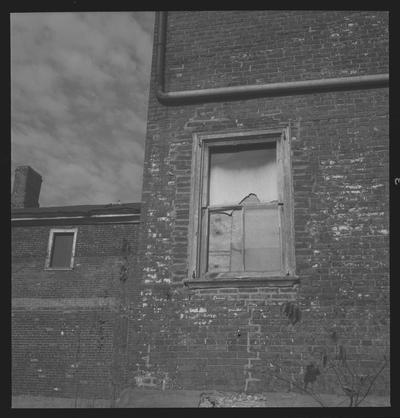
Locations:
(26, 189)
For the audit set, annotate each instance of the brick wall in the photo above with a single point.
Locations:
(62, 352)
(69, 327)
(26, 188)
(226, 48)
(97, 263)
(225, 338)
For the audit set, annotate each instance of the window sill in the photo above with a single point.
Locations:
(58, 268)
(278, 281)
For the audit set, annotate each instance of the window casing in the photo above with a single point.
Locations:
(61, 249)
(241, 208)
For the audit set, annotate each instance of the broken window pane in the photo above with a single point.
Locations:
(262, 239)
(242, 227)
(236, 172)
(225, 241)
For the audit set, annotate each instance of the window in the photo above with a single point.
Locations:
(61, 249)
(242, 206)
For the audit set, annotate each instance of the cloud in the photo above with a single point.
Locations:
(79, 89)
(74, 175)
(33, 79)
(79, 66)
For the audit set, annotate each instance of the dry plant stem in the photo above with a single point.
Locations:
(351, 396)
(337, 375)
(312, 394)
(351, 373)
(355, 399)
(341, 402)
(77, 356)
(338, 378)
(373, 381)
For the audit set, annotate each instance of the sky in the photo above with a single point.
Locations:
(79, 93)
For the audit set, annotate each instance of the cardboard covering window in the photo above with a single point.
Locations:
(245, 238)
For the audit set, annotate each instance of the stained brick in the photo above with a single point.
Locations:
(335, 163)
(62, 352)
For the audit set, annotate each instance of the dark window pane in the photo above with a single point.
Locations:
(236, 172)
(225, 241)
(262, 239)
(62, 250)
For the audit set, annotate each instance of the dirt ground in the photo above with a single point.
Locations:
(149, 398)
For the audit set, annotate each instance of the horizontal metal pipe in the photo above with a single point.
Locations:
(255, 90)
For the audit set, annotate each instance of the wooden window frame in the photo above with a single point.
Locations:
(202, 143)
(53, 232)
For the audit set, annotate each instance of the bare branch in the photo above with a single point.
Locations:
(291, 382)
(373, 381)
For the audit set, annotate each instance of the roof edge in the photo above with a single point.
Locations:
(78, 210)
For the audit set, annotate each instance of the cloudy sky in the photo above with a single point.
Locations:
(79, 92)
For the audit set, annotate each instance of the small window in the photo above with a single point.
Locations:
(242, 216)
(61, 249)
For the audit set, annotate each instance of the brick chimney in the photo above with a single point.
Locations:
(26, 189)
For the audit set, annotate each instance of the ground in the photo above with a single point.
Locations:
(149, 398)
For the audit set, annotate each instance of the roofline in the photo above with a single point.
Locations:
(79, 209)
(115, 213)
(78, 219)
(119, 215)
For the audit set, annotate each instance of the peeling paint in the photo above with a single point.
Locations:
(354, 187)
(198, 310)
(357, 160)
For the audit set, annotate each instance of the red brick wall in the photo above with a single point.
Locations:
(62, 352)
(225, 338)
(26, 188)
(226, 48)
(69, 327)
(97, 263)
